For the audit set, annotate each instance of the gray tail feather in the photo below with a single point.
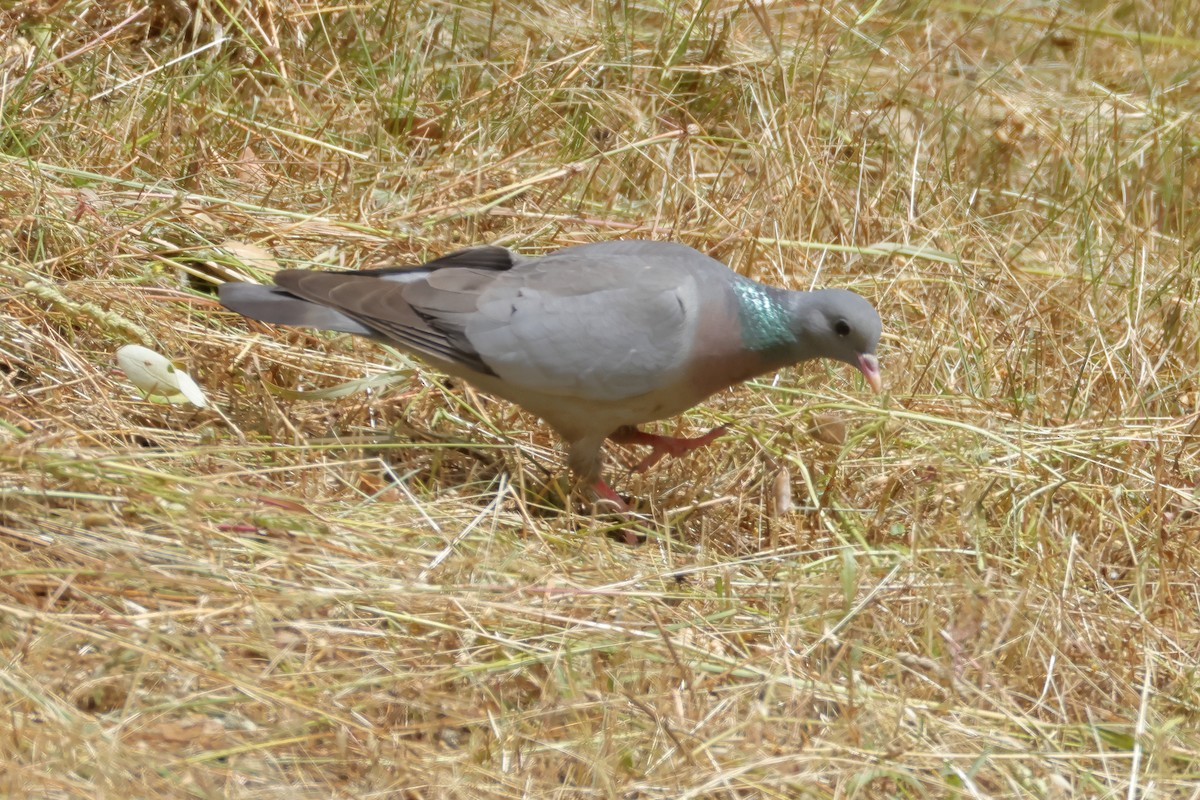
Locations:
(274, 305)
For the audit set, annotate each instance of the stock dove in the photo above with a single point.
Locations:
(595, 339)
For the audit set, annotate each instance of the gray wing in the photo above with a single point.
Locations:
(591, 321)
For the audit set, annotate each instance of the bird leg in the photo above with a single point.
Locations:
(586, 462)
(674, 446)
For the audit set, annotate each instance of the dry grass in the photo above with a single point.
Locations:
(989, 590)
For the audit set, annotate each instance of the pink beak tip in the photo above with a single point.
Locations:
(870, 370)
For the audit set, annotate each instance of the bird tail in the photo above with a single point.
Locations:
(278, 307)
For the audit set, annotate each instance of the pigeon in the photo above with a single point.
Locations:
(595, 339)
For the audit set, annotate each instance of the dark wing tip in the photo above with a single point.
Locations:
(488, 257)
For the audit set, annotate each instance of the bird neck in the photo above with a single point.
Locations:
(764, 314)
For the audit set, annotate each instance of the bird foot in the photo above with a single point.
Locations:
(610, 502)
(607, 496)
(674, 446)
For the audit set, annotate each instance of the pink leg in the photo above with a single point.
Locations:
(663, 445)
(607, 494)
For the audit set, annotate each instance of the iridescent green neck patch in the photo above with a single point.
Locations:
(764, 322)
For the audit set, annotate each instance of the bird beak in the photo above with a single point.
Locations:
(870, 370)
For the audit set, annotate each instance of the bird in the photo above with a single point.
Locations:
(595, 339)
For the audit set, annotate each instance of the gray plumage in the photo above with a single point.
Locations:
(594, 339)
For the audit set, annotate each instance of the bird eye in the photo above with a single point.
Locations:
(841, 327)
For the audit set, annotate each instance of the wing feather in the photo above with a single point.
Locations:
(381, 305)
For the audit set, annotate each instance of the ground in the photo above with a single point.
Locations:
(350, 576)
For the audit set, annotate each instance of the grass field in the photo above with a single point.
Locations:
(349, 576)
